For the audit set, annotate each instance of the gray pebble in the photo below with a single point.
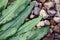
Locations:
(51, 12)
(57, 19)
(47, 22)
(36, 10)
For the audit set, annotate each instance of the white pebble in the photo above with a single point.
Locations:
(32, 16)
(47, 22)
(40, 24)
(57, 1)
(44, 14)
(57, 19)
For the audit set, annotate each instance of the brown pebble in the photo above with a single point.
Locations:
(57, 29)
(42, 1)
(52, 22)
(50, 37)
(58, 24)
(11, 0)
(48, 5)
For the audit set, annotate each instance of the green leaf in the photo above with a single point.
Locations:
(17, 24)
(10, 13)
(40, 33)
(7, 25)
(26, 27)
(3, 3)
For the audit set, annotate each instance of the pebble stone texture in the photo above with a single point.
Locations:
(50, 9)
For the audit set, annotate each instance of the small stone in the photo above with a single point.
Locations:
(44, 14)
(57, 29)
(48, 5)
(42, 1)
(26, 19)
(51, 31)
(58, 7)
(47, 22)
(51, 12)
(50, 37)
(57, 1)
(52, 22)
(10, 0)
(36, 3)
(57, 36)
(57, 14)
(40, 5)
(52, 26)
(40, 24)
(58, 24)
(57, 19)
(36, 10)
(32, 16)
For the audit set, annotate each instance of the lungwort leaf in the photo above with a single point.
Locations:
(13, 29)
(3, 3)
(7, 25)
(26, 27)
(10, 13)
(38, 34)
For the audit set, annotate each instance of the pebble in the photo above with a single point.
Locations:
(51, 31)
(58, 24)
(44, 14)
(40, 5)
(57, 14)
(56, 29)
(27, 19)
(36, 11)
(52, 26)
(32, 16)
(52, 22)
(57, 1)
(56, 19)
(57, 36)
(10, 0)
(41, 1)
(36, 3)
(40, 24)
(49, 37)
(51, 12)
(58, 7)
(47, 22)
(48, 5)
